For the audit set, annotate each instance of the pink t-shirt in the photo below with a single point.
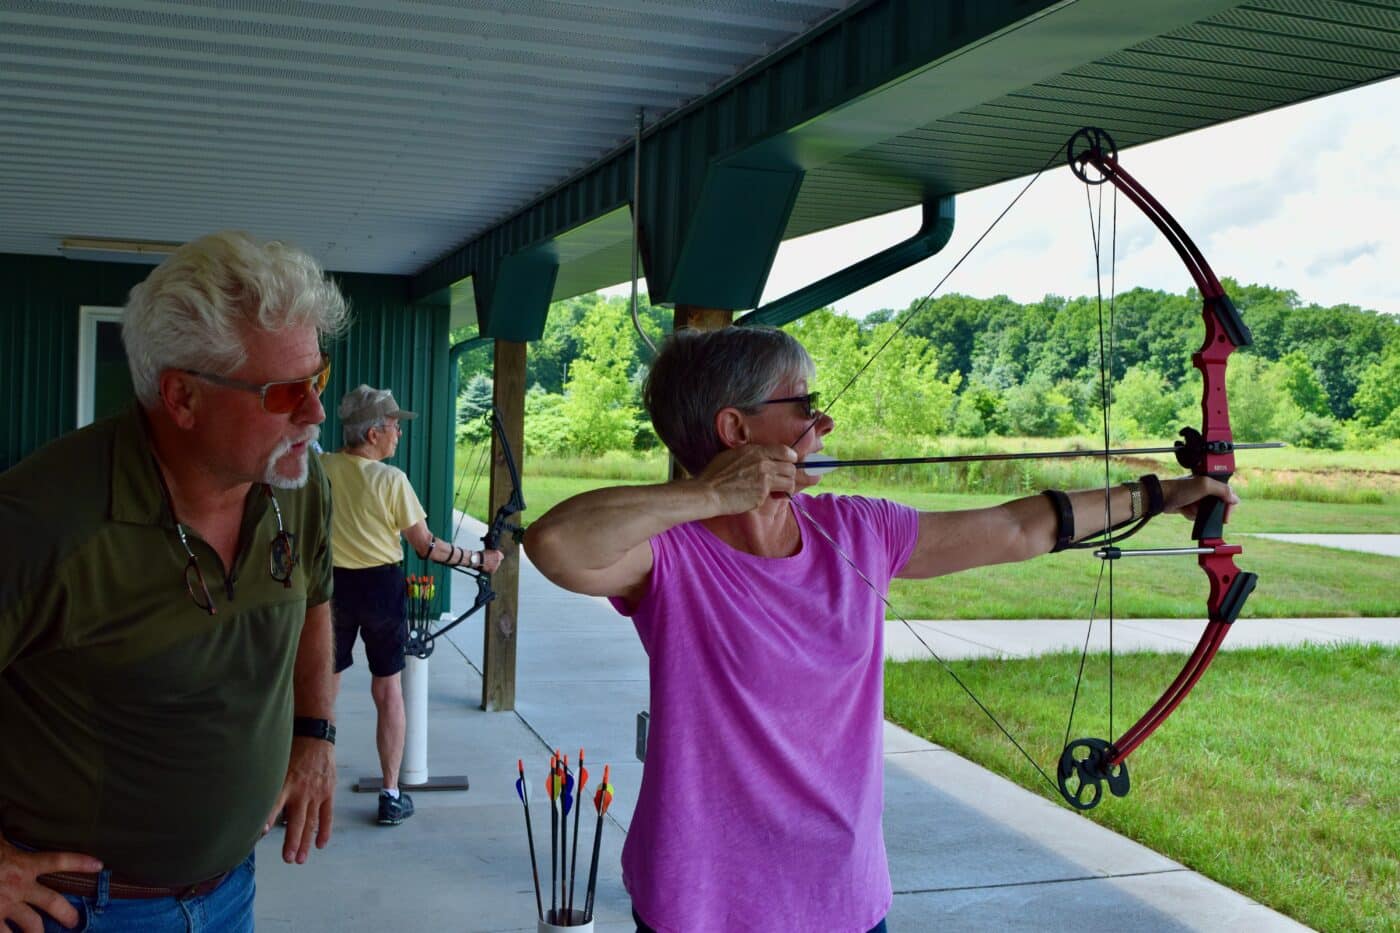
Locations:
(763, 789)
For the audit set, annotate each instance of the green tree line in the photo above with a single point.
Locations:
(1315, 376)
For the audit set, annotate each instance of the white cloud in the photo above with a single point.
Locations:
(1305, 198)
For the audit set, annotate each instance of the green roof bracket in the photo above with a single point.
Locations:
(728, 239)
(931, 237)
(513, 295)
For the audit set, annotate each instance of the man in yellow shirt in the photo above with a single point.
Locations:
(375, 505)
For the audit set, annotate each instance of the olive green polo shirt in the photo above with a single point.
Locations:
(134, 726)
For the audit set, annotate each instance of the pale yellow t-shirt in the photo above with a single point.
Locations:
(372, 502)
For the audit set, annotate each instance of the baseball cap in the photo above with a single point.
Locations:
(366, 403)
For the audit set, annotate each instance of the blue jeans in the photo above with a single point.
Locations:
(226, 909)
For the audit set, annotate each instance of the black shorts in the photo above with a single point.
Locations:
(371, 602)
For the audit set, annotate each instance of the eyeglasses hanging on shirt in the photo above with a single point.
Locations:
(282, 556)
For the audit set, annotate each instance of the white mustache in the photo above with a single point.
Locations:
(309, 435)
(270, 475)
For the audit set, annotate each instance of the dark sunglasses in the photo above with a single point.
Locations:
(278, 398)
(808, 402)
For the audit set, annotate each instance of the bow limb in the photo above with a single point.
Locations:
(515, 502)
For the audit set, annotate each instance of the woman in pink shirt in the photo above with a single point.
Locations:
(765, 646)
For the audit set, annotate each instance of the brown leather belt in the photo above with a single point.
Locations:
(85, 885)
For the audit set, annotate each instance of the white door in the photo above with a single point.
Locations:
(104, 382)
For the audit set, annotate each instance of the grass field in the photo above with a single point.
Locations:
(1279, 777)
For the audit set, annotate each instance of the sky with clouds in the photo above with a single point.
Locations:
(1305, 198)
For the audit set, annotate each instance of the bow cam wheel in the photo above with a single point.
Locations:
(1086, 143)
(1084, 769)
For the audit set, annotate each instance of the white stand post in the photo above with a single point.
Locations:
(413, 773)
(415, 702)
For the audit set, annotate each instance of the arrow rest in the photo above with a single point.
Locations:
(1191, 451)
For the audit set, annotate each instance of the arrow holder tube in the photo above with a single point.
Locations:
(415, 701)
(564, 920)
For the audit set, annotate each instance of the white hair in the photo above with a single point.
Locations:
(194, 310)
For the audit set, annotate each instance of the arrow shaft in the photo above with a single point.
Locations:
(534, 868)
(1024, 455)
(573, 868)
(593, 871)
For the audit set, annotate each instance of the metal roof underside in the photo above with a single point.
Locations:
(400, 140)
(377, 135)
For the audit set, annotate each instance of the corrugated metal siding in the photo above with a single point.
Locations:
(39, 343)
(398, 345)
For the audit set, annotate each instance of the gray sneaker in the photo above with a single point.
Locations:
(393, 812)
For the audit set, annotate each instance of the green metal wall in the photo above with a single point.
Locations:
(39, 301)
(393, 343)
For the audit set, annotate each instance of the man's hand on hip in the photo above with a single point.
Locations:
(21, 894)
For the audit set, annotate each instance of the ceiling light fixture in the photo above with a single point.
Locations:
(97, 249)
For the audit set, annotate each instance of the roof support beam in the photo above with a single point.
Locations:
(513, 295)
(718, 250)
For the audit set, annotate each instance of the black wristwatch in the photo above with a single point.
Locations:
(314, 728)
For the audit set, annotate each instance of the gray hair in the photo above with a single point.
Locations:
(194, 310)
(355, 433)
(697, 373)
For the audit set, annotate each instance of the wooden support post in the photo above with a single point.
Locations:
(700, 319)
(498, 651)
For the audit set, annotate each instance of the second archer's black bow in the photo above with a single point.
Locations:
(420, 641)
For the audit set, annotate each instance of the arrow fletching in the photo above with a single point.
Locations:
(552, 784)
(603, 798)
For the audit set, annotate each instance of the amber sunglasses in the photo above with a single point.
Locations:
(278, 398)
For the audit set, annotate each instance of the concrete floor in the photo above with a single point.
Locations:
(968, 850)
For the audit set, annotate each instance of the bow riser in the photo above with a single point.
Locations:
(1218, 455)
(1229, 586)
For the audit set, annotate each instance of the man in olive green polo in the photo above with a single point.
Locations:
(165, 636)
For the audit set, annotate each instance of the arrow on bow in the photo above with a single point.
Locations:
(1086, 765)
(820, 464)
(421, 643)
